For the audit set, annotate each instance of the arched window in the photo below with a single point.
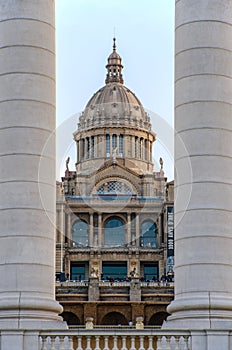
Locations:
(107, 145)
(141, 148)
(114, 232)
(148, 234)
(114, 141)
(80, 234)
(136, 146)
(121, 145)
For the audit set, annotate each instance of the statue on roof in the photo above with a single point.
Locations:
(67, 163)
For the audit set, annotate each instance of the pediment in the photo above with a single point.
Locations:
(116, 171)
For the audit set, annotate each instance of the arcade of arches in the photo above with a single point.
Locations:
(114, 315)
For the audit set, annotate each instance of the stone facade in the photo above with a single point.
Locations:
(111, 210)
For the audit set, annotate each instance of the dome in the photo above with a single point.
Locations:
(114, 104)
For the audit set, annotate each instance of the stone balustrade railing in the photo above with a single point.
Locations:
(115, 339)
(113, 284)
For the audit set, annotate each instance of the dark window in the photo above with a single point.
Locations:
(78, 271)
(114, 271)
(114, 141)
(150, 271)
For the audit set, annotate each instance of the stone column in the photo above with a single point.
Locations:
(133, 146)
(137, 230)
(69, 228)
(27, 109)
(203, 156)
(129, 238)
(99, 230)
(62, 236)
(78, 151)
(91, 243)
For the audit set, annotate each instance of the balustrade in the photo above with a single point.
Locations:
(115, 339)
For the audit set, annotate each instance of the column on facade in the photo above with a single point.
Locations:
(137, 230)
(132, 146)
(91, 243)
(78, 155)
(159, 231)
(62, 224)
(62, 235)
(126, 145)
(100, 230)
(69, 228)
(203, 159)
(146, 150)
(87, 148)
(102, 145)
(82, 149)
(92, 146)
(28, 218)
(136, 147)
(57, 226)
(150, 151)
(129, 238)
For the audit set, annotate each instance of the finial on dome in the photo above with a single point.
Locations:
(114, 45)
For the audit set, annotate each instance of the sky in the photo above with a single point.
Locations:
(144, 32)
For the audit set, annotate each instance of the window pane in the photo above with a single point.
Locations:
(121, 145)
(77, 271)
(114, 232)
(114, 270)
(80, 233)
(107, 145)
(151, 271)
(148, 234)
(114, 141)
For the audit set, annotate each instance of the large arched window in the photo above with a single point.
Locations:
(80, 233)
(114, 232)
(148, 234)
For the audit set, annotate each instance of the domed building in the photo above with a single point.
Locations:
(111, 212)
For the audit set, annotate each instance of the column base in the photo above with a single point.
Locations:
(19, 311)
(209, 311)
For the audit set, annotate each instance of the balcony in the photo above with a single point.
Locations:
(123, 338)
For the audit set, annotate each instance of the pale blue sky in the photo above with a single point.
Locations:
(145, 41)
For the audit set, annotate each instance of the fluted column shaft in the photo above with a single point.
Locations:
(27, 177)
(203, 162)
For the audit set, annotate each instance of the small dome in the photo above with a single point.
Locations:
(114, 104)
